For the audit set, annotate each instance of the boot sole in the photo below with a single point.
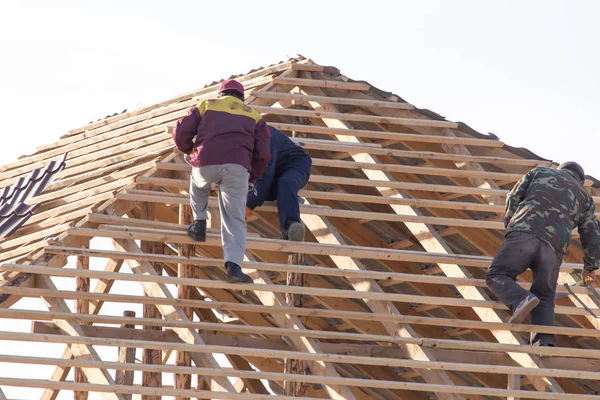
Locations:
(522, 313)
(296, 232)
(197, 238)
(240, 280)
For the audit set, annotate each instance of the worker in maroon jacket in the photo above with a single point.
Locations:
(231, 150)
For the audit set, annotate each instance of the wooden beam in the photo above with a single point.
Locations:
(293, 366)
(385, 135)
(261, 94)
(102, 286)
(475, 181)
(321, 83)
(282, 354)
(151, 356)
(375, 317)
(304, 344)
(331, 195)
(81, 351)
(409, 169)
(366, 215)
(396, 277)
(185, 270)
(307, 67)
(169, 312)
(82, 284)
(354, 117)
(330, 236)
(376, 350)
(514, 383)
(466, 390)
(126, 355)
(434, 243)
(285, 246)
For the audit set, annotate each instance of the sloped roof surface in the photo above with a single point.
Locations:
(403, 214)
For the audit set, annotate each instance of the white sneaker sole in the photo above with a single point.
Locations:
(523, 310)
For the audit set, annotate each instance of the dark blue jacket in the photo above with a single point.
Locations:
(285, 154)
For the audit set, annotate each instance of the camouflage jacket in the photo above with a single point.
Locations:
(549, 204)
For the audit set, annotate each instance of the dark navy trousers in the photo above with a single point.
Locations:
(283, 187)
(521, 251)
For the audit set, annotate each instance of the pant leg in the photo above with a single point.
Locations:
(201, 179)
(514, 256)
(288, 183)
(545, 268)
(263, 188)
(233, 190)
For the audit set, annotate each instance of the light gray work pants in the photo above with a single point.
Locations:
(233, 190)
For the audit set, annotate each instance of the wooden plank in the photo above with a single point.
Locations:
(366, 215)
(82, 284)
(409, 169)
(169, 312)
(377, 350)
(354, 117)
(179, 183)
(173, 198)
(308, 312)
(102, 286)
(293, 366)
(436, 343)
(321, 83)
(303, 344)
(185, 270)
(466, 390)
(476, 182)
(386, 135)
(297, 97)
(330, 236)
(431, 241)
(514, 383)
(319, 144)
(126, 355)
(81, 351)
(59, 374)
(150, 311)
(304, 247)
(281, 354)
(308, 67)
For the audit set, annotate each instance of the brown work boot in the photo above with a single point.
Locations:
(524, 308)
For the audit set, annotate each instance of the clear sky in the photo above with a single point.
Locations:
(526, 71)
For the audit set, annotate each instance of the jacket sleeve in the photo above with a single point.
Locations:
(185, 130)
(261, 154)
(589, 234)
(516, 196)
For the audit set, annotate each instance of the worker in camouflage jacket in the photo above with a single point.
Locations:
(541, 212)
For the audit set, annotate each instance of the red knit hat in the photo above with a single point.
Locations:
(231, 84)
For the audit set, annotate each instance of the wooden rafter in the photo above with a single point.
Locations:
(370, 318)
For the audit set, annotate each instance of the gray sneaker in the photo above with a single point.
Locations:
(294, 232)
(524, 308)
